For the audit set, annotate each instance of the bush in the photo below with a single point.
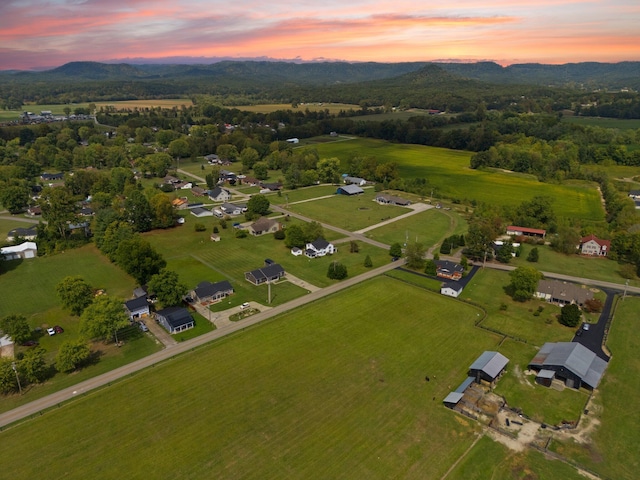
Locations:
(279, 234)
(337, 271)
(533, 255)
(593, 305)
(240, 233)
(199, 227)
(223, 224)
(367, 262)
(570, 315)
(215, 229)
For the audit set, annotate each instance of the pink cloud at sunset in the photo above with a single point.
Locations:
(47, 33)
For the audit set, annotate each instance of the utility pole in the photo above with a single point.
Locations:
(269, 285)
(626, 284)
(13, 365)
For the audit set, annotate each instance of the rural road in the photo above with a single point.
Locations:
(55, 399)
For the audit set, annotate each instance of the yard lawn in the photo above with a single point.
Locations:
(348, 212)
(415, 279)
(486, 289)
(301, 194)
(539, 403)
(7, 225)
(332, 390)
(574, 265)
(32, 283)
(333, 108)
(611, 450)
(429, 228)
(489, 459)
(448, 171)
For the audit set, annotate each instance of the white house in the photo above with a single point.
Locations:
(451, 289)
(219, 194)
(24, 250)
(319, 248)
(594, 246)
(296, 252)
(355, 181)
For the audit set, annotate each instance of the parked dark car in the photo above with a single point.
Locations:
(58, 329)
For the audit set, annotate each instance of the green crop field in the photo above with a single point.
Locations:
(448, 171)
(611, 448)
(331, 390)
(575, 265)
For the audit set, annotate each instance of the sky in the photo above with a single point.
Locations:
(36, 34)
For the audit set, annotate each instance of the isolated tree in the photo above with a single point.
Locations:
(163, 212)
(312, 231)
(367, 262)
(337, 271)
(395, 250)
(16, 327)
(294, 236)
(430, 267)
(103, 318)
(211, 181)
(261, 170)
(533, 255)
(415, 255)
(570, 315)
(504, 254)
(33, 365)
(14, 198)
(71, 355)
(75, 294)
(593, 305)
(167, 287)
(354, 247)
(179, 148)
(58, 209)
(524, 281)
(139, 259)
(258, 205)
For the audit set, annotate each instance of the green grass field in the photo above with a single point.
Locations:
(448, 171)
(349, 212)
(429, 228)
(576, 265)
(602, 122)
(333, 108)
(330, 392)
(6, 225)
(611, 447)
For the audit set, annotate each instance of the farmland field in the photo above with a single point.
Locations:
(448, 171)
(333, 108)
(330, 392)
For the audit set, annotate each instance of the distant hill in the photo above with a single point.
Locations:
(95, 71)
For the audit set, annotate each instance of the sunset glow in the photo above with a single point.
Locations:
(48, 33)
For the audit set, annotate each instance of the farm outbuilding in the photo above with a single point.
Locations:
(570, 362)
(488, 366)
(454, 397)
(137, 307)
(24, 250)
(349, 190)
(451, 289)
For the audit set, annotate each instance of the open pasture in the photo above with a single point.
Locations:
(333, 108)
(331, 390)
(621, 124)
(449, 173)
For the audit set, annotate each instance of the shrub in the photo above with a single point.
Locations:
(199, 227)
(367, 262)
(570, 315)
(337, 271)
(593, 305)
(215, 229)
(279, 234)
(240, 233)
(533, 255)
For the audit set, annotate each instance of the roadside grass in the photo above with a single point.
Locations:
(486, 289)
(428, 227)
(616, 171)
(332, 390)
(489, 459)
(110, 357)
(575, 265)
(202, 326)
(539, 403)
(611, 449)
(301, 194)
(414, 279)
(448, 171)
(348, 212)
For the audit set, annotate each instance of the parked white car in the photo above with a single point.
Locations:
(51, 331)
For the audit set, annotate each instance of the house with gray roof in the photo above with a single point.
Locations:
(175, 319)
(29, 233)
(570, 362)
(264, 225)
(562, 293)
(349, 190)
(385, 199)
(210, 292)
(219, 194)
(354, 181)
(488, 366)
(269, 273)
(137, 307)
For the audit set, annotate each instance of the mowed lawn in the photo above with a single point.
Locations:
(575, 265)
(448, 171)
(349, 212)
(612, 447)
(332, 390)
(428, 227)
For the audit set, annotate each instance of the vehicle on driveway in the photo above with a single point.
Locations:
(143, 327)
(585, 326)
(244, 306)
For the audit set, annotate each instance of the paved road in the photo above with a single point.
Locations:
(21, 219)
(55, 399)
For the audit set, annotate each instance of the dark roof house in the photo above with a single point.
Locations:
(175, 319)
(488, 366)
(350, 189)
(571, 362)
(209, 292)
(265, 274)
(448, 269)
(137, 307)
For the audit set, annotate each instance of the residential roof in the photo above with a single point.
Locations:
(574, 357)
(354, 180)
(565, 291)
(491, 363)
(136, 303)
(200, 211)
(456, 286)
(176, 316)
(24, 232)
(393, 199)
(262, 224)
(217, 191)
(19, 248)
(351, 189)
(208, 289)
(267, 272)
(449, 266)
(599, 241)
(320, 243)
